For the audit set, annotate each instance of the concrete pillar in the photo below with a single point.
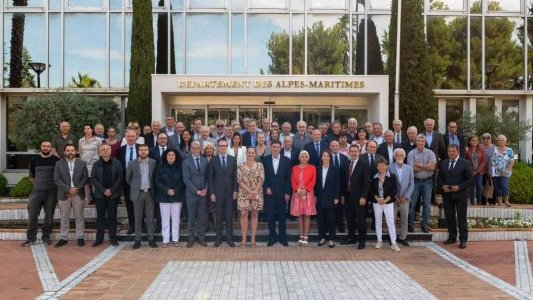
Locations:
(3, 133)
(525, 109)
(498, 105)
(441, 104)
(470, 106)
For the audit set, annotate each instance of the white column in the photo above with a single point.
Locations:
(470, 105)
(498, 105)
(441, 105)
(525, 109)
(157, 100)
(3, 133)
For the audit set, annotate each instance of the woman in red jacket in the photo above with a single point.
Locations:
(476, 157)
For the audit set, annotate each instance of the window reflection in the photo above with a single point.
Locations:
(178, 48)
(454, 5)
(327, 44)
(207, 3)
(116, 59)
(28, 3)
(127, 38)
(344, 113)
(207, 44)
(298, 44)
(327, 4)
(378, 27)
(268, 3)
(85, 3)
(85, 54)
(454, 110)
(379, 4)
(314, 116)
(475, 53)
(272, 56)
(237, 44)
(55, 52)
(115, 4)
(505, 5)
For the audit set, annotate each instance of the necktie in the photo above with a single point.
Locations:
(452, 164)
(224, 162)
(162, 151)
(198, 164)
(397, 138)
(131, 154)
(372, 160)
(317, 149)
(352, 165)
(337, 160)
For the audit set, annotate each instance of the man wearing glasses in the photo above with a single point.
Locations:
(219, 131)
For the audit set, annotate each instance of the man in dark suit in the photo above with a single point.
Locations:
(289, 151)
(249, 138)
(399, 135)
(371, 156)
(410, 143)
(223, 190)
(151, 138)
(128, 153)
(315, 147)
(387, 148)
(455, 178)
(434, 140)
(355, 205)
(277, 189)
(454, 137)
(156, 153)
(341, 162)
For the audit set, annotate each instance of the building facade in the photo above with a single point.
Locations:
(481, 53)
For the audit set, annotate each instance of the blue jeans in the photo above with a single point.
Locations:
(476, 190)
(501, 186)
(423, 188)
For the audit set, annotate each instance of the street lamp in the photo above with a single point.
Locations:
(38, 68)
(489, 70)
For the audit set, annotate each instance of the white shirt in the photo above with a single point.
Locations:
(324, 175)
(399, 170)
(398, 137)
(379, 139)
(170, 132)
(390, 148)
(287, 153)
(71, 171)
(128, 151)
(275, 164)
(353, 166)
(161, 150)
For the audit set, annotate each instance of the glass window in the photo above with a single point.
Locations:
(298, 6)
(116, 4)
(85, 54)
(505, 5)
(256, 113)
(237, 44)
(327, 44)
(379, 4)
(85, 3)
(55, 51)
(207, 44)
(14, 104)
(454, 110)
(358, 5)
(272, 56)
(177, 45)
(475, 53)
(529, 39)
(238, 5)
(127, 38)
(218, 113)
(268, 3)
(56, 4)
(378, 27)
(207, 3)
(176, 4)
(116, 52)
(327, 4)
(24, 43)
(282, 114)
(455, 5)
(475, 7)
(485, 106)
(342, 114)
(30, 3)
(504, 53)
(315, 115)
(298, 44)
(446, 38)
(188, 114)
(161, 44)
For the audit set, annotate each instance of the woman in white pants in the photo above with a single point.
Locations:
(170, 193)
(383, 195)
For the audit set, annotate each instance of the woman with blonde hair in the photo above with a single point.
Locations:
(135, 127)
(501, 168)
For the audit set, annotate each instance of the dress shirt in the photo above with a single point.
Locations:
(452, 138)
(145, 178)
(379, 139)
(429, 138)
(324, 175)
(275, 164)
(131, 154)
(390, 148)
(170, 132)
(398, 137)
(161, 150)
(399, 170)
(287, 153)
(224, 161)
(336, 160)
(71, 171)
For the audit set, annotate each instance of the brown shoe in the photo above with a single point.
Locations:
(203, 243)
(189, 244)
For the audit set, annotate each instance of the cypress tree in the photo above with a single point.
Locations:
(141, 63)
(417, 100)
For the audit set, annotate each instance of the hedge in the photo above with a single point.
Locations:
(3, 184)
(520, 185)
(22, 189)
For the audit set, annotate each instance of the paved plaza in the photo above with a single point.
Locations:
(485, 270)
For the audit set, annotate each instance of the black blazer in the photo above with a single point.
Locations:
(122, 156)
(150, 139)
(97, 178)
(169, 178)
(344, 163)
(359, 181)
(247, 139)
(389, 188)
(279, 183)
(294, 156)
(314, 158)
(406, 145)
(326, 195)
(384, 152)
(403, 134)
(373, 169)
(461, 139)
(222, 182)
(155, 155)
(461, 175)
(437, 145)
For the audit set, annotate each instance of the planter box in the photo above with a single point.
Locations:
(488, 234)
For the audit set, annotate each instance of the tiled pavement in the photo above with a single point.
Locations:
(268, 272)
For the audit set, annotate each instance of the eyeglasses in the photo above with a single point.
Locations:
(222, 146)
(220, 126)
(486, 138)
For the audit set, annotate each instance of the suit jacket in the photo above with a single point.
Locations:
(389, 188)
(193, 179)
(325, 195)
(247, 139)
(222, 181)
(150, 140)
(156, 155)
(372, 167)
(437, 145)
(344, 162)
(123, 156)
(359, 180)
(461, 139)
(460, 175)
(133, 177)
(80, 176)
(406, 145)
(314, 158)
(280, 182)
(174, 142)
(97, 178)
(407, 184)
(404, 136)
(299, 142)
(169, 178)
(294, 155)
(383, 151)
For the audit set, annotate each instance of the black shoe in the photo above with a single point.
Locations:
(331, 244)
(96, 243)
(462, 245)
(136, 245)
(348, 242)
(231, 244)
(217, 244)
(450, 241)
(322, 242)
(285, 244)
(270, 244)
(361, 246)
(27, 243)
(152, 244)
(130, 231)
(203, 243)
(114, 243)
(341, 228)
(81, 242)
(61, 243)
(47, 241)
(411, 228)
(403, 243)
(424, 229)
(189, 244)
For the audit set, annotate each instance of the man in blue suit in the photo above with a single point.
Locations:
(277, 189)
(315, 147)
(341, 162)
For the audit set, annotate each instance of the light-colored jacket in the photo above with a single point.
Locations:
(407, 184)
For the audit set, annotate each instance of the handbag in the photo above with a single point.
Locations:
(488, 189)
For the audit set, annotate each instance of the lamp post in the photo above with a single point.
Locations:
(38, 68)
(489, 70)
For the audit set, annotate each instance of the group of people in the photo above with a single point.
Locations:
(333, 172)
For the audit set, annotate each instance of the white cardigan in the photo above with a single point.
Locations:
(241, 154)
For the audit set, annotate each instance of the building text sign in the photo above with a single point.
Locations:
(270, 84)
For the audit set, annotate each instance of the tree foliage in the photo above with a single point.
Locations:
(17, 45)
(417, 100)
(84, 81)
(39, 117)
(142, 63)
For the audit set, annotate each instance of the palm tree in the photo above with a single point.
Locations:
(84, 81)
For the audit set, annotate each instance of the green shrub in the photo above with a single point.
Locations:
(520, 187)
(3, 184)
(22, 189)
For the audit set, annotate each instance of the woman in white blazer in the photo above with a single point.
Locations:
(406, 183)
(237, 150)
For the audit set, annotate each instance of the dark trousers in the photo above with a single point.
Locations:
(224, 213)
(129, 206)
(41, 200)
(339, 215)
(106, 215)
(453, 207)
(276, 208)
(356, 213)
(157, 218)
(327, 219)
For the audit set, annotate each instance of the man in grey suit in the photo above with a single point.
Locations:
(139, 176)
(194, 169)
(70, 176)
(223, 190)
